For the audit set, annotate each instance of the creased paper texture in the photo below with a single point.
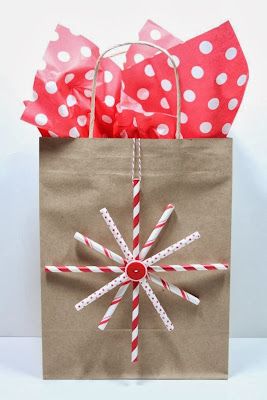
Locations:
(139, 100)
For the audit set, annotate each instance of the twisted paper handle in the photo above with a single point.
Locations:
(177, 85)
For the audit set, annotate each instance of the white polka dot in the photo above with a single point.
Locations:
(232, 104)
(213, 103)
(108, 76)
(63, 110)
(142, 94)
(155, 34)
(231, 53)
(54, 37)
(166, 85)
(89, 75)
(51, 87)
(226, 128)
(189, 95)
(34, 95)
(184, 118)
(63, 56)
(86, 51)
(221, 78)
(164, 103)
(134, 122)
(69, 77)
(74, 133)
(241, 80)
(149, 71)
(138, 58)
(87, 93)
(41, 119)
(109, 101)
(107, 119)
(175, 59)
(163, 129)
(205, 47)
(205, 127)
(42, 66)
(148, 113)
(71, 100)
(52, 134)
(197, 72)
(122, 85)
(82, 120)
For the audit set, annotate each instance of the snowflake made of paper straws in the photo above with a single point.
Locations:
(136, 269)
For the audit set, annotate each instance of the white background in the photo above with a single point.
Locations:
(25, 28)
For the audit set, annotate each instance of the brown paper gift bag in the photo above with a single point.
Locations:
(79, 177)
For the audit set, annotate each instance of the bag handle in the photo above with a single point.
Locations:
(177, 85)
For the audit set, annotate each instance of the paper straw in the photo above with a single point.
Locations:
(135, 321)
(152, 297)
(136, 217)
(116, 233)
(84, 268)
(136, 285)
(113, 305)
(98, 247)
(188, 267)
(174, 289)
(172, 249)
(100, 292)
(156, 231)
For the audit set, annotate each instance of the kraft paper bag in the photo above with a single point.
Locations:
(79, 177)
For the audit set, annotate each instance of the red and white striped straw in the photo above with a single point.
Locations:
(154, 268)
(84, 268)
(172, 249)
(135, 321)
(100, 292)
(116, 233)
(136, 285)
(156, 231)
(174, 289)
(98, 247)
(136, 218)
(188, 267)
(113, 305)
(156, 304)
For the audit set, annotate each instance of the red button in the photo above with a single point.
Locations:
(136, 270)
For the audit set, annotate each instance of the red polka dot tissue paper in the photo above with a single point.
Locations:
(213, 75)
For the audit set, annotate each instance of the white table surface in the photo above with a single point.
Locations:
(21, 378)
